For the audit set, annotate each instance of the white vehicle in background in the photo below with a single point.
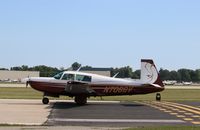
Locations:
(187, 83)
(169, 82)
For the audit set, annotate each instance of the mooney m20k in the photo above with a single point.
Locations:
(83, 85)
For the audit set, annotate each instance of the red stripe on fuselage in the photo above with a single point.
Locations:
(56, 88)
(103, 89)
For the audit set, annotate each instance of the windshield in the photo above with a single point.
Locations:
(58, 76)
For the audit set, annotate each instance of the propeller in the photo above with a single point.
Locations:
(27, 82)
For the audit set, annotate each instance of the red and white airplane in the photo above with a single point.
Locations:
(83, 85)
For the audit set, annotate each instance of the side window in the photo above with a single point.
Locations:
(79, 77)
(83, 78)
(87, 78)
(68, 77)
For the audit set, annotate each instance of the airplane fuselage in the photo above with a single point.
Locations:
(101, 86)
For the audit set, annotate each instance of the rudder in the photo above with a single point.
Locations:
(149, 73)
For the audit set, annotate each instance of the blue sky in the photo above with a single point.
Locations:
(100, 33)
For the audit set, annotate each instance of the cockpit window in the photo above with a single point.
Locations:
(58, 76)
(83, 78)
(68, 77)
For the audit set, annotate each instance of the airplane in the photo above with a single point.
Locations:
(187, 83)
(169, 82)
(84, 85)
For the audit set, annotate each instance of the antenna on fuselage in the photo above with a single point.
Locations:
(115, 75)
(79, 68)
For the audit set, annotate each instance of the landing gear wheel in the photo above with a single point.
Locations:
(80, 100)
(45, 100)
(158, 97)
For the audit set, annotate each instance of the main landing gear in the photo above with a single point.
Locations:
(158, 97)
(45, 100)
(80, 99)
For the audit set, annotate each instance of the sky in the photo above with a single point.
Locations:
(100, 33)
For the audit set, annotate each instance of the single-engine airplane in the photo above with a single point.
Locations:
(83, 85)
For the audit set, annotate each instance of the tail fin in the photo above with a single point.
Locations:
(149, 73)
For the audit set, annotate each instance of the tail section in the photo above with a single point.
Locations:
(149, 73)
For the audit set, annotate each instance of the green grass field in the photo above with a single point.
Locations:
(167, 95)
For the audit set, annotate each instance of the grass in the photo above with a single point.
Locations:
(167, 128)
(19, 93)
(167, 95)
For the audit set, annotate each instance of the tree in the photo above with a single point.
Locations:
(86, 67)
(124, 72)
(24, 67)
(75, 66)
(136, 74)
(164, 74)
(185, 75)
(46, 71)
(174, 76)
(193, 75)
(197, 75)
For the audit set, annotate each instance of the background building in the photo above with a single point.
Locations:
(17, 76)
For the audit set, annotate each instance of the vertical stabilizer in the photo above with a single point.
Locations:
(149, 73)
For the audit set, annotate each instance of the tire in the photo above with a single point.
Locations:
(45, 100)
(158, 97)
(81, 100)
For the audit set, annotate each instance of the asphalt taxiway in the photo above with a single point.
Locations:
(118, 114)
(99, 113)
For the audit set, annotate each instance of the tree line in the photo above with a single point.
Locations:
(185, 75)
(180, 75)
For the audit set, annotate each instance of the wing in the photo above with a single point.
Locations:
(79, 87)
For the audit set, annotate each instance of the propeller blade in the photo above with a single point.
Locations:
(27, 82)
